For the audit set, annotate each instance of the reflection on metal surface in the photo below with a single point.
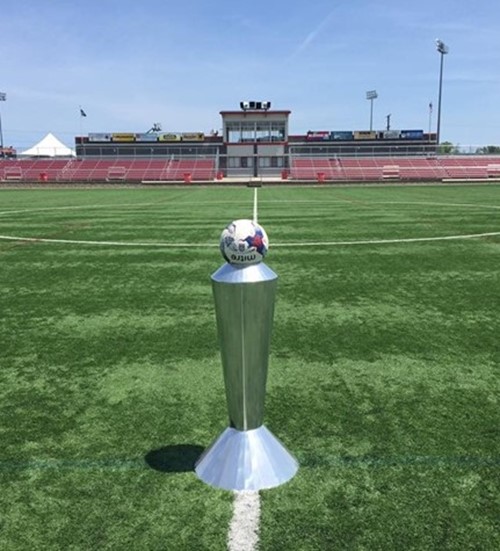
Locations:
(253, 273)
(246, 456)
(244, 305)
(246, 460)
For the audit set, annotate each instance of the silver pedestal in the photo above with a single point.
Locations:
(246, 460)
(246, 456)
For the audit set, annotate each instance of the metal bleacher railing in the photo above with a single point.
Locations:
(293, 166)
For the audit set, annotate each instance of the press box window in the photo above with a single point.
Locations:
(270, 162)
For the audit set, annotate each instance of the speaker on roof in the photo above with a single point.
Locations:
(244, 105)
(266, 105)
(258, 105)
(252, 104)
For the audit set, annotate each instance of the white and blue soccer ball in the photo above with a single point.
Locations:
(243, 242)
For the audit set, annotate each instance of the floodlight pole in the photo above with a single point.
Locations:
(371, 95)
(443, 49)
(3, 97)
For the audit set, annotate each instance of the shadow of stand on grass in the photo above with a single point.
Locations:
(178, 458)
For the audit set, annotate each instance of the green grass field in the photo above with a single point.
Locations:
(384, 374)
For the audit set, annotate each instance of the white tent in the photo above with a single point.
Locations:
(49, 146)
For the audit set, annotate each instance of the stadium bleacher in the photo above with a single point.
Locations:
(473, 167)
(301, 168)
(100, 170)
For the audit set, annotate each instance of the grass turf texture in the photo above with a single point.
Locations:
(384, 373)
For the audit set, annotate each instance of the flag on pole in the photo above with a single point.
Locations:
(430, 107)
(82, 113)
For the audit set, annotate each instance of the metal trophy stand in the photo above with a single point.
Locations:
(246, 456)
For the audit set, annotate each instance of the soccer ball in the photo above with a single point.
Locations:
(243, 242)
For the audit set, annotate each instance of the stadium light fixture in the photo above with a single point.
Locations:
(255, 105)
(3, 97)
(371, 95)
(443, 49)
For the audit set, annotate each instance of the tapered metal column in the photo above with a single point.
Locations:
(244, 306)
(246, 456)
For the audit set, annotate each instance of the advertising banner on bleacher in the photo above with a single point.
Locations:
(146, 137)
(193, 136)
(99, 137)
(169, 137)
(122, 137)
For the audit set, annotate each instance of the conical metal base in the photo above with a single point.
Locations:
(246, 460)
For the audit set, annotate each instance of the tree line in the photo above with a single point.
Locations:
(448, 148)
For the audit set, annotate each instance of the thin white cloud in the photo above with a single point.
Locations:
(311, 37)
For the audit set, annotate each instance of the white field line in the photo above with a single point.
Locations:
(108, 243)
(274, 245)
(244, 528)
(205, 245)
(386, 241)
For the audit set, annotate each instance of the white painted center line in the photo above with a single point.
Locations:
(244, 528)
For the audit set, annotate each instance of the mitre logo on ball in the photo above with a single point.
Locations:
(243, 242)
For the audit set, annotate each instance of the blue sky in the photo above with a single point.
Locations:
(130, 64)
